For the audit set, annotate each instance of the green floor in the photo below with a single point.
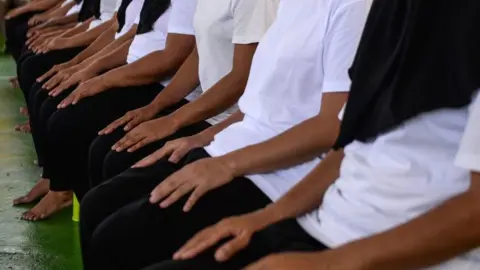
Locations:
(47, 245)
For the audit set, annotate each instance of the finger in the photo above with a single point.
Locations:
(195, 196)
(114, 125)
(151, 159)
(140, 144)
(78, 97)
(133, 123)
(225, 252)
(128, 141)
(163, 190)
(48, 74)
(200, 243)
(178, 154)
(181, 191)
(66, 102)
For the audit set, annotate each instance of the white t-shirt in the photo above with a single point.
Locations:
(219, 25)
(178, 19)
(107, 9)
(468, 156)
(131, 14)
(74, 9)
(306, 53)
(398, 177)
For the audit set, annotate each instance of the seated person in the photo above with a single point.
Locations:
(221, 64)
(122, 35)
(103, 99)
(147, 63)
(401, 190)
(69, 45)
(288, 118)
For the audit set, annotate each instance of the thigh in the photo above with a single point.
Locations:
(153, 234)
(118, 162)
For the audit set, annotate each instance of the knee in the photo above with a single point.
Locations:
(116, 163)
(63, 124)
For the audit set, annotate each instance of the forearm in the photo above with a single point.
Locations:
(39, 5)
(87, 37)
(101, 42)
(72, 18)
(308, 194)
(185, 81)
(149, 69)
(82, 27)
(59, 11)
(441, 234)
(215, 100)
(110, 61)
(299, 144)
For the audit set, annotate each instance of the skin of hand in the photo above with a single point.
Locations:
(240, 229)
(175, 149)
(70, 80)
(131, 119)
(88, 89)
(196, 178)
(146, 133)
(53, 71)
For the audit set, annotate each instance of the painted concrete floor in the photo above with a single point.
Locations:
(47, 245)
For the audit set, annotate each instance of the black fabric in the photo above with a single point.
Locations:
(151, 11)
(285, 236)
(16, 34)
(90, 8)
(71, 130)
(120, 229)
(415, 56)
(121, 14)
(103, 163)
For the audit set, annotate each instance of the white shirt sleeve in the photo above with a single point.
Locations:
(252, 19)
(468, 156)
(181, 17)
(341, 43)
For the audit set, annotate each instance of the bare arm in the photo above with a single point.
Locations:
(155, 66)
(183, 83)
(115, 58)
(87, 37)
(441, 234)
(31, 7)
(82, 27)
(98, 45)
(224, 94)
(307, 140)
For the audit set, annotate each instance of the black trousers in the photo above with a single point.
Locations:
(104, 164)
(120, 229)
(16, 34)
(70, 132)
(285, 236)
(34, 66)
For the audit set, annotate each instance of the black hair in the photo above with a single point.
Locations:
(122, 10)
(151, 11)
(90, 8)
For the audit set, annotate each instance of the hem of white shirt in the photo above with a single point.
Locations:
(246, 40)
(468, 161)
(181, 31)
(339, 86)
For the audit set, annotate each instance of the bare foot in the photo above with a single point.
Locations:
(25, 127)
(24, 111)
(39, 190)
(14, 82)
(49, 205)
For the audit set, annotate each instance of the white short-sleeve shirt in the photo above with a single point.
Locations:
(401, 175)
(74, 9)
(178, 19)
(307, 52)
(468, 156)
(219, 25)
(107, 9)
(131, 14)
